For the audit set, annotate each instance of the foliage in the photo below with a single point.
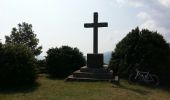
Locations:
(24, 35)
(17, 65)
(0, 45)
(145, 50)
(64, 60)
(42, 66)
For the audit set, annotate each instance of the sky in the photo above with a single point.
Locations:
(61, 22)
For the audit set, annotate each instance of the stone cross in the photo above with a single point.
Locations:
(95, 25)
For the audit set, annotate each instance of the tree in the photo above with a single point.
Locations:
(0, 45)
(24, 35)
(145, 50)
(41, 66)
(17, 65)
(62, 61)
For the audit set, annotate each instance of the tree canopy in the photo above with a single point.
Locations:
(17, 65)
(24, 35)
(145, 50)
(62, 61)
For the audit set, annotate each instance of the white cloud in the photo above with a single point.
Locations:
(165, 2)
(144, 16)
(149, 24)
(135, 3)
(155, 16)
(154, 26)
(120, 1)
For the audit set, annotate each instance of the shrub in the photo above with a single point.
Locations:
(63, 61)
(41, 66)
(145, 50)
(17, 65)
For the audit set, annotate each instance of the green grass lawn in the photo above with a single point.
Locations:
(53, 89)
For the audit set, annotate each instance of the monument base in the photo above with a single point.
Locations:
(95, 60)
(91, 74)
(94, 71)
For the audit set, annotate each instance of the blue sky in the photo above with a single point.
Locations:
(61, 22)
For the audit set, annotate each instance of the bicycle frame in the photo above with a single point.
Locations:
(143, 76)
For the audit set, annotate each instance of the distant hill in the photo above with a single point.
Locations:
(40, 57)
(107, 57)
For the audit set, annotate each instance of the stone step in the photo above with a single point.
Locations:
(71, 78)
(80, 74)
(95, 70)
(91, 74)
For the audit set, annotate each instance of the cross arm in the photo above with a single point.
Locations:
(88, 25)
(103, 24)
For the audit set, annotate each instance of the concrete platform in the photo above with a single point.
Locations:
(91, 74)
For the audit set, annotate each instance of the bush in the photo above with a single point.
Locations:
(17, 65)
(41, 66)
(63, 61)
(145, 50)
(0, 45)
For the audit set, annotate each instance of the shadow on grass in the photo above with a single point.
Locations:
(55, 78)
(137, 90)
(144, 89)
(124, 84)
(12, 89)
(165, 87)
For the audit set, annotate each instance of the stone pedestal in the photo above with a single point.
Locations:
(94, 71)
(94, 60)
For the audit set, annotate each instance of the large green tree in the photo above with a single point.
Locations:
(145, 50)
(17, 65)
(0, 44)
(24, 35)
(62, 61)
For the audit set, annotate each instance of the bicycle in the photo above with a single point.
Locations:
(144, 77)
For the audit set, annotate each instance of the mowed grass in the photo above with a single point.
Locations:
(53, 89)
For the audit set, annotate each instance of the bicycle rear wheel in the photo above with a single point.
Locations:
(155, 80)
(132, 78)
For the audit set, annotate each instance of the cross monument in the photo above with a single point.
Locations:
(95, 25)
(95, 60)
(94, 70)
